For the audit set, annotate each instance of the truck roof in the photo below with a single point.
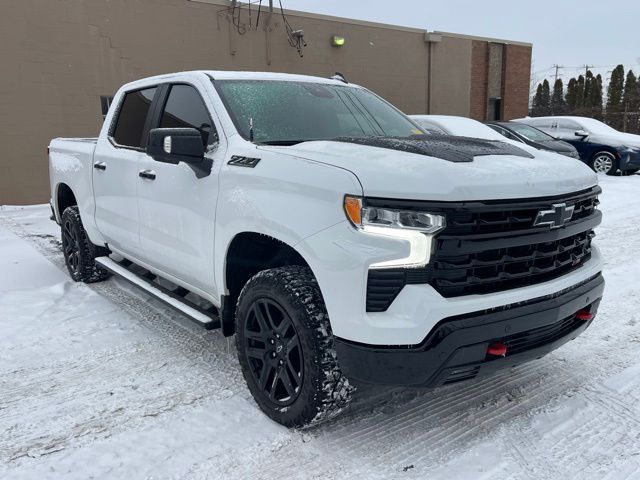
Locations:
(231, 75)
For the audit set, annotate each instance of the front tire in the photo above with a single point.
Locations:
(79, 253)
(604, 162)
(286, 348)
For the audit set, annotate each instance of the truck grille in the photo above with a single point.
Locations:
(478, 218)
(504, 268)
(493, 246)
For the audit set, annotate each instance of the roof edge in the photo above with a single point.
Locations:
(366, 23)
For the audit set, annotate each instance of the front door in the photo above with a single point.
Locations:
(115, 172)
(176, 208)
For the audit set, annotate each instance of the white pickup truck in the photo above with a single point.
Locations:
(329, 233)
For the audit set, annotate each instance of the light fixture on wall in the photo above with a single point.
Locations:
(337, 41)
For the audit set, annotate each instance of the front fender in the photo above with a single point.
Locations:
(284, 197)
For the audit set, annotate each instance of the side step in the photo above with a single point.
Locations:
(147, 281)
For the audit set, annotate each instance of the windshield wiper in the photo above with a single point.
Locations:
(285, 143)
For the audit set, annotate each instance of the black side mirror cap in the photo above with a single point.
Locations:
(175, 145)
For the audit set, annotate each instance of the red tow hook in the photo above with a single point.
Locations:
(584, 315)
(497, 349)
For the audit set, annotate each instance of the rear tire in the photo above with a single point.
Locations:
(286, 348)
(79, 253)
(604, 162)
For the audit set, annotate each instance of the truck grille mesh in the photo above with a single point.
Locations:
(471, 255)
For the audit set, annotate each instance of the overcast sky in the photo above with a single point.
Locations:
(565, 32)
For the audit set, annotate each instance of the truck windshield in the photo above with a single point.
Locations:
(287, 112)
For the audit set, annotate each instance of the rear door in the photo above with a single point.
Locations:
(176, 208)
(115, 171)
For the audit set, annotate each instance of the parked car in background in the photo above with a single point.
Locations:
(533, 137)
(467, 127)
(456, 126)
(604, 149)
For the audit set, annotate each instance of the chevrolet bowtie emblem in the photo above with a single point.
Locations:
(556, 217)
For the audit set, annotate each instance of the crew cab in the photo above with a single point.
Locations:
(335, 238)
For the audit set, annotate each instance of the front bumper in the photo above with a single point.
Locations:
(629, 160)
(456, 349)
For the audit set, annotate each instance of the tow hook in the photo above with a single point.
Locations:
(497, 349)
(584, 315)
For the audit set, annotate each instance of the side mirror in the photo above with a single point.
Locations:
(581, 133)
(175, 145)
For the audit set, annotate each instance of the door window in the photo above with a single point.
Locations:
(186, 109)
(129, 125)
(567, 129)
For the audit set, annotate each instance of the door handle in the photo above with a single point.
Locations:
(100, 165)
(148, 174)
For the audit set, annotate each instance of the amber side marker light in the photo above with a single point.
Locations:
(353, 209)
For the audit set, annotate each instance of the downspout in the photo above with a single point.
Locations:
(430, 38)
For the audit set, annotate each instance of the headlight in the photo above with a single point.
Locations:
(415, 227)
(365, 216)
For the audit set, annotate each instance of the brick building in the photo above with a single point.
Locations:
(64, 59)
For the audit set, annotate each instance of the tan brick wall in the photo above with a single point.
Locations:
(479, 79)
(517, 73)
(60, 56)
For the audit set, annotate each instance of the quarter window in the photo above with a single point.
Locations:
(132, 117)
(185, 109)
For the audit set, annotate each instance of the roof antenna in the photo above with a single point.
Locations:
(340, 77)
(251, 129)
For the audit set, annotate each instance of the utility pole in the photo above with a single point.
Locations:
(586, 69)
(557, 67)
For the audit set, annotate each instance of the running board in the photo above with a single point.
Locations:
(175, 298)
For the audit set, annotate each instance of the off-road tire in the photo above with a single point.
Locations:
(79, 253)
(324, 390)
(597, 160)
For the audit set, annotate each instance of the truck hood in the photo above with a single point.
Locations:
(617, 140)
(395, 174)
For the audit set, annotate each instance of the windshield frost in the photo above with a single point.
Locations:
(284, 111)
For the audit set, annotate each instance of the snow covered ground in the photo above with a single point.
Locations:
(101, 381)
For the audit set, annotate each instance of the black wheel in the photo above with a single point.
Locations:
(604, 162)
(79, 252)
(286, 348)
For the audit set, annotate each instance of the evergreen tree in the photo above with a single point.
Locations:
(545, 99)
(614, 98)
(630, 103)
(580, 84)
(558, 106)
(536, 109)
(571, 98)
(595, 100)
(589, 86)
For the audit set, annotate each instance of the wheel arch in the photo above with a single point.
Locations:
(64, 198)
(248, 253)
